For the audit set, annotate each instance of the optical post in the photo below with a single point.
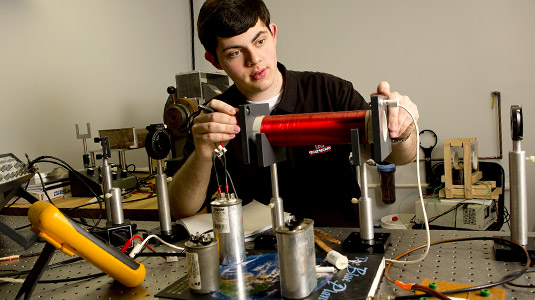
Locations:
(519, 204)
(158, 145)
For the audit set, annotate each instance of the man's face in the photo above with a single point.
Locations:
(250, 60)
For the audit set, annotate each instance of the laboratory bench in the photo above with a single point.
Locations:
(467, 262)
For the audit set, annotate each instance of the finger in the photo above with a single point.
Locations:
(411, 107)
(404, 120)
(383, 88)
(393, 121)
(210, 138)
(216, 117)
(222, 107)
(200, 128)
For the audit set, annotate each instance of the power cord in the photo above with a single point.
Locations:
(394, 103)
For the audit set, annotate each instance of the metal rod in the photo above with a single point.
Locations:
(365, 207)
(277, 209)
(163, 200)
(122, 159)
(151, 168)
(116, 205)
(499, 100)
(517, 177)
(106, 186)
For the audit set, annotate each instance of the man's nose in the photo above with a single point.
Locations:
(253, 58)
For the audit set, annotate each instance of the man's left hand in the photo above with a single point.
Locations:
(400, 124)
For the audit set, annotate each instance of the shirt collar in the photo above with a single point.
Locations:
(289, 93)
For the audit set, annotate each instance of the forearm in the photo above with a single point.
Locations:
(405, 152)
(187, 190)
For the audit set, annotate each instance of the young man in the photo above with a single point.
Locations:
(240, 39)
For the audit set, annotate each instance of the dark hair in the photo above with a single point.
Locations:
(228, 18)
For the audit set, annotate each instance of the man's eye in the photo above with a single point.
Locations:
(234, 53)
(261, 42)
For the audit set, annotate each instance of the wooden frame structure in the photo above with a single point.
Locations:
(471, 187)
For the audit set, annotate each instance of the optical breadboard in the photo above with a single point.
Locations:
(470, 214)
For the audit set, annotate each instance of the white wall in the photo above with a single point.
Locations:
(448, 56)
(67, 62)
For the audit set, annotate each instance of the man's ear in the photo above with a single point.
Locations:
(273, 29)
(209, 57)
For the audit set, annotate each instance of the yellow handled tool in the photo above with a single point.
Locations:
(67, 236)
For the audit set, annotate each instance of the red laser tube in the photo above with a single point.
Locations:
(312, 128)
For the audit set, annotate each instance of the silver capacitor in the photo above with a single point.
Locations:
(297, 258)
(202, 260)
(228, 228)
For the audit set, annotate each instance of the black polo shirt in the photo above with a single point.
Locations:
(315, 181)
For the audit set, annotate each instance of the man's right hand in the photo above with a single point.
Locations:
(209, 129)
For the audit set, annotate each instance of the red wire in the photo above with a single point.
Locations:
(312, 128)
(128, 243)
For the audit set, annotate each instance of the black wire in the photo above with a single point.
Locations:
(147, 179)
(60, 162)
(519, 285)
(44, 189)
(141, 199)
(208, 231)
(83, 222)
(189, 121)
(215, 170)
(192, 25)
(129, 166)
(51, 266)
(446, 212)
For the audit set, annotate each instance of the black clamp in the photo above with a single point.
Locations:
(158, 141)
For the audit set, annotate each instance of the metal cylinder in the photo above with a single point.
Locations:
(228, 229)
(106, 186)
(517, 177)
(92, 159)
(202, 260)
(277, 209)
(365, 207)
(297, 259)
(151, 168)
(116, 206)
(163, 200)
(122, 159)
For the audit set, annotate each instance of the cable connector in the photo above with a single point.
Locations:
(391, 103)
(404, 286)
(220, 151)
(136, 250)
